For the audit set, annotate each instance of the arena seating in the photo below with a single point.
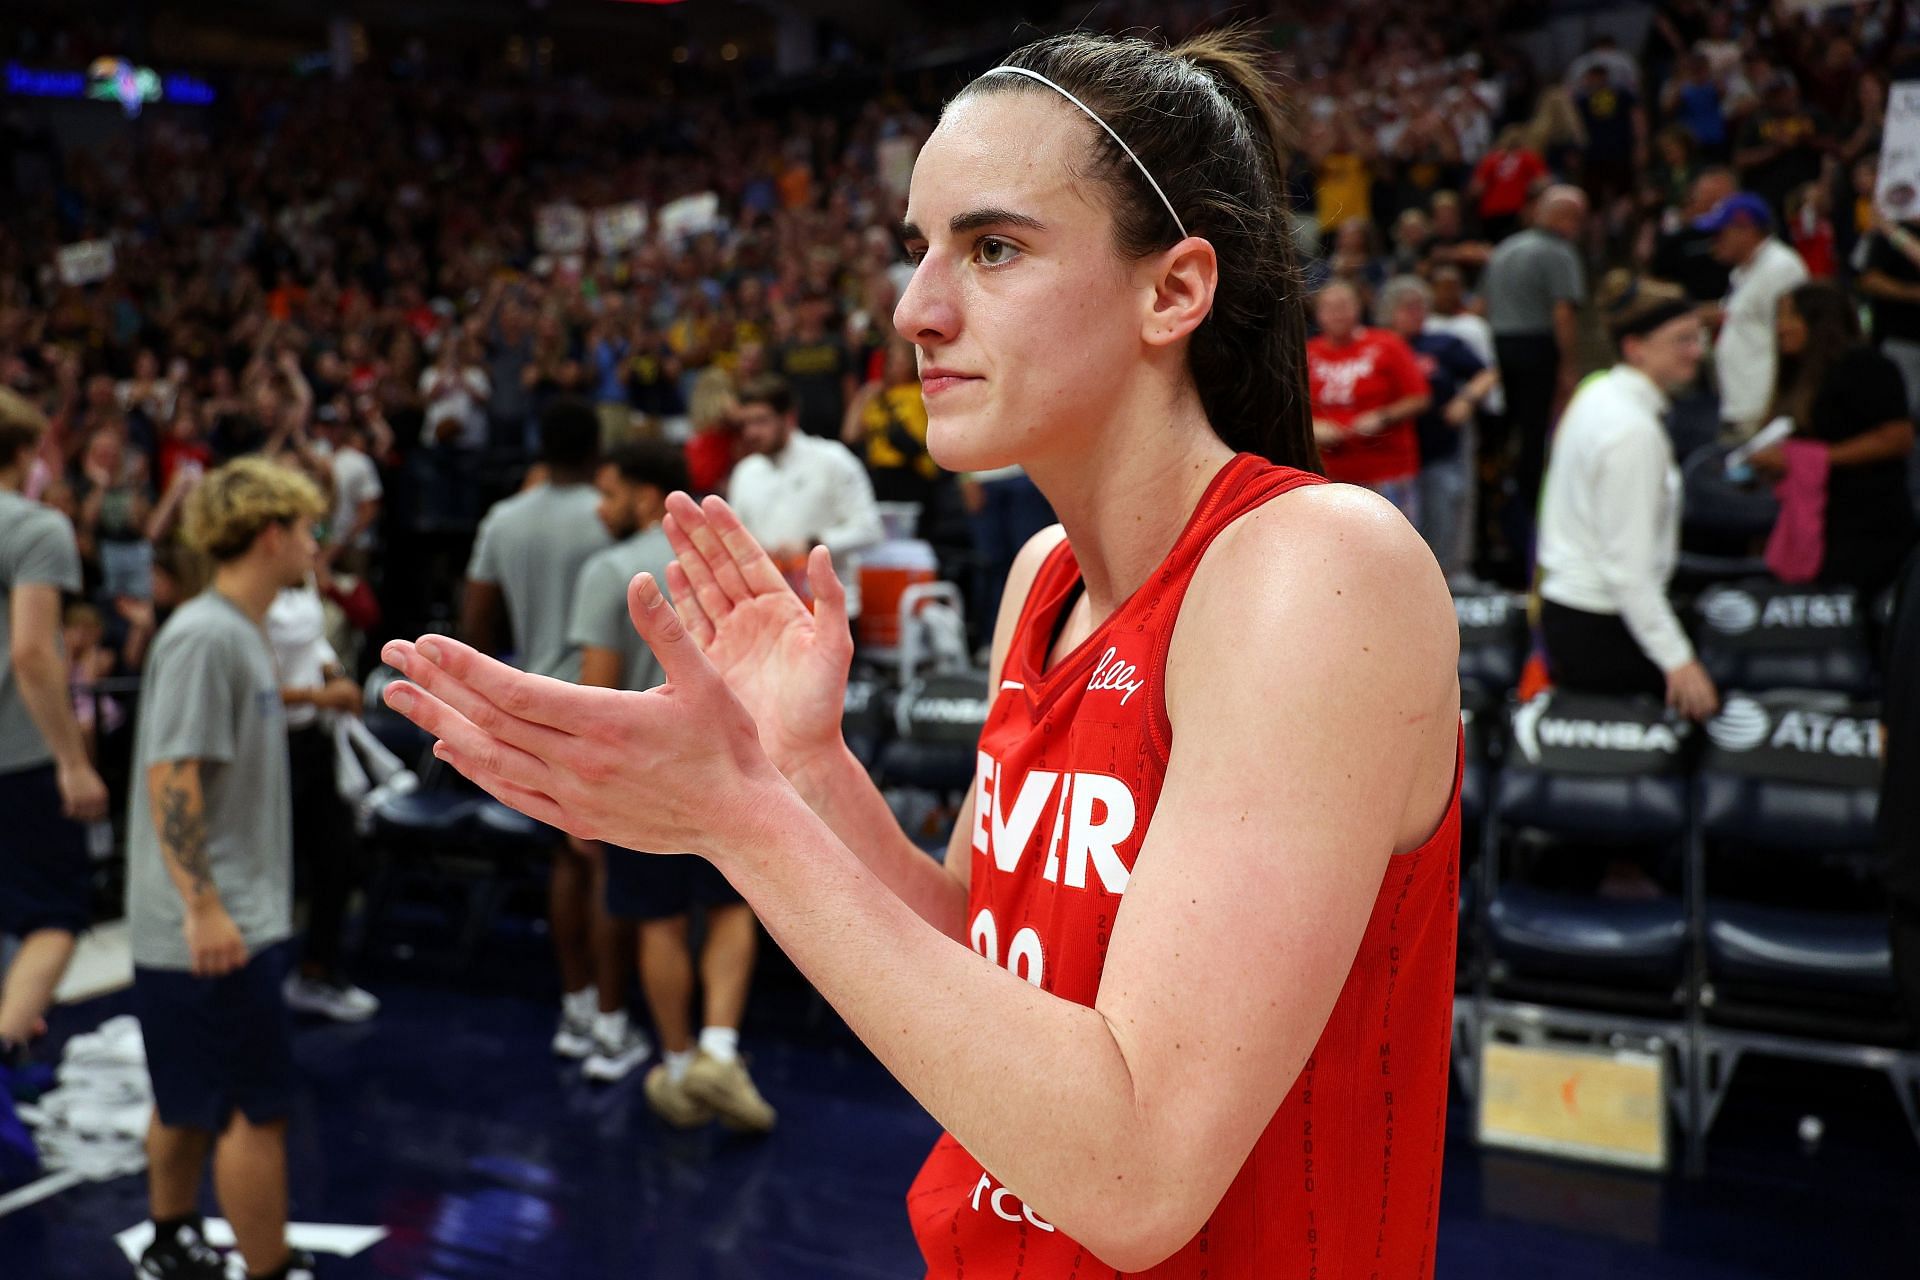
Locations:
(1793, 925)
(1793, 943)
(1587, 778)
(1770, 933)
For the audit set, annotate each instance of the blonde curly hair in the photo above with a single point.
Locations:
(233, 504)
(21, 426)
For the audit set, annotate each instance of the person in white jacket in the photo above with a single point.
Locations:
(794, 490)
(1610, 514)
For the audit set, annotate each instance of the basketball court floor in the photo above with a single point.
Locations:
(447, 1130)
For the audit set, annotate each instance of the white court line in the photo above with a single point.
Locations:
(34, 1192)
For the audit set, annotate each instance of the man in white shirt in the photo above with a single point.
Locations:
(796, 490)
(1764, 270)
(1610, 517)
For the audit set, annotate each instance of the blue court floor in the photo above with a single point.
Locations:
(447, 1122)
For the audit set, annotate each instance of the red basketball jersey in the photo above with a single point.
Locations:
(1345, 1180)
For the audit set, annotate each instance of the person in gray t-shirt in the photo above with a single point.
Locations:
(212, 701)
(48, 785)
(658, 889)
(530, 550)
(527, 558)
(209, 873)
(1534, 287)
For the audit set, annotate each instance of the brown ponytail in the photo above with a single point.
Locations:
(1207, 120)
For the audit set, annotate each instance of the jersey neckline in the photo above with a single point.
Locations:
(1043, 683)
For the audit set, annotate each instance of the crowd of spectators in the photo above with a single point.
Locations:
(354, 278)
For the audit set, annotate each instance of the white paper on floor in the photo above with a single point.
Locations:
(94, 1123)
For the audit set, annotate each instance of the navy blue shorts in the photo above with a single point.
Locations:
(658, 886)
(218, 1045)
(43, 857)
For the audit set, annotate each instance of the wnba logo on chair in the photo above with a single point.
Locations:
(1552, 725)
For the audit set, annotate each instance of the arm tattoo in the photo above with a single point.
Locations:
(183, 831)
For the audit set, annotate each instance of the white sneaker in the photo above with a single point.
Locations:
(342, 1003)
(615, 1060)
(574, 1039)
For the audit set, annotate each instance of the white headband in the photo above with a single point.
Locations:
(1035, 75)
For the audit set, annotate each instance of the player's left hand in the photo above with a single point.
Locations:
(678, 767)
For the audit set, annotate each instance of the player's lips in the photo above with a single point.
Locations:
(935, 379)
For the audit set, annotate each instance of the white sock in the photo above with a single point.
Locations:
(580, 1005)
(722, 1044)
(677, 1064)
(610, 1028)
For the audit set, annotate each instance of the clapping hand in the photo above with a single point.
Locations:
(676, 768)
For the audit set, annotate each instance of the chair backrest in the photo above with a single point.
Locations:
(1760, 634)
(1596, 768)
(1792, 771)
(1493, 638)
(947, 709)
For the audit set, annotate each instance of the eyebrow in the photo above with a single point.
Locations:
(976, 219)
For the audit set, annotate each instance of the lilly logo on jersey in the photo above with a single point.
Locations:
(1111, 673)
(1092, 816)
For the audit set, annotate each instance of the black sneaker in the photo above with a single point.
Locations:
(184, 1255)
(300, 1265)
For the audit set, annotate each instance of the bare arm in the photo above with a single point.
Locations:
(1164, 1090)
(481, 605)
(836, 786)
(1566, 335)
(852, 428)
(34, 621)
(1566, 332)
(160, 523)
(1759, 154)
(1888, 442)
(1406, 407)
(1878, 284)
(599, 667)
(337, 694)
(179, 815)
(178, 810)
(1481, 387)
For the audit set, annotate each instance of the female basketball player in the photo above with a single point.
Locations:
(1211, 851)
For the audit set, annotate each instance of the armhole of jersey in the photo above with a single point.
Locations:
(1279, 481)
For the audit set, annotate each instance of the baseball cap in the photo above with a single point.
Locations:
(1741, 204)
